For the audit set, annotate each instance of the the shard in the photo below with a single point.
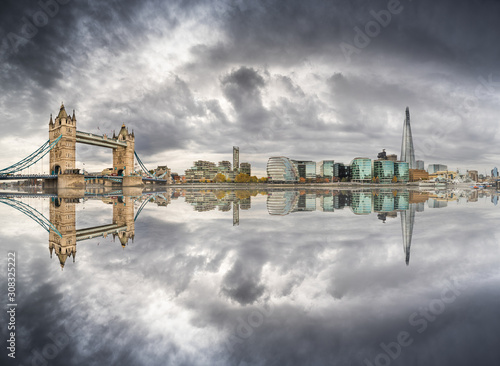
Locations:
(407, 151)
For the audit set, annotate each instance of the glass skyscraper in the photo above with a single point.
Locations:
(407, 151)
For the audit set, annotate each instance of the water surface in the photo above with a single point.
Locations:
(257, 278)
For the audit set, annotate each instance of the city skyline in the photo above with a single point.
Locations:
(315, 81)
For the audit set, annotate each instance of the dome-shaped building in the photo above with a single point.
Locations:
(281, 170)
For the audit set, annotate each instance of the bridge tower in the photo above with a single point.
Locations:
(63, 217)
(63, 155)
(123, 157)
(123, 215)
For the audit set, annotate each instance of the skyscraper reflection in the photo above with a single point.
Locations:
(407, 221)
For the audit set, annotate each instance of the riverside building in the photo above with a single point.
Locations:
(280, 169)
(361, 170)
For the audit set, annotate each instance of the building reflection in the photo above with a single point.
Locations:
(208, 200)
(385, 203)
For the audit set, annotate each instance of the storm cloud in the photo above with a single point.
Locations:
(194, 78)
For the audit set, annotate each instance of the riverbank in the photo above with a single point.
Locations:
(267, 186)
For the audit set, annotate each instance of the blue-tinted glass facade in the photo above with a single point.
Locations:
(361, 170)
(383, 170)
(402, 171)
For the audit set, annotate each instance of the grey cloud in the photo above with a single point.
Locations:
(242, 87)
(271, 77)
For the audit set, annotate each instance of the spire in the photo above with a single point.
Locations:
(73, 118)
(62, 112)
(123, 134)
(51, 123)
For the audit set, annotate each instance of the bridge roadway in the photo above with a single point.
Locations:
(48, 176)
(26, 176)
(104, 141)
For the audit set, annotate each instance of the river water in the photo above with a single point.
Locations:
(204, 277)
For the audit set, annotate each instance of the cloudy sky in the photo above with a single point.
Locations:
(330, 287)
(304, 79)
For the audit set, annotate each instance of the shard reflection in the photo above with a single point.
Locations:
(407, 221)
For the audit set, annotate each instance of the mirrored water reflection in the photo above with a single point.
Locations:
(280, 277)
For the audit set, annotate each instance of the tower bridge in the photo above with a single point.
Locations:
(63, 154)
(61, 147)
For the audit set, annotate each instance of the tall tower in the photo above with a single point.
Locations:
(236, 158)
(62, 155)
(123, 157)
(407, 151)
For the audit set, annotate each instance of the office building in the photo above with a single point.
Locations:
(402, 171)
(392, 157)
(341, 171)
(418, 174)
(305, 169)
(383, 170)
(472, 174)
(246, 168)
(420, 165)
(361, 170)
(407, 151)
(236, 158)
(225, 164)
(434, 168)
(326, 168)
(280, 169)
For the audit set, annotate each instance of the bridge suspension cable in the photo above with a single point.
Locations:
(31, 212)
(143, 167)
(31, 159)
